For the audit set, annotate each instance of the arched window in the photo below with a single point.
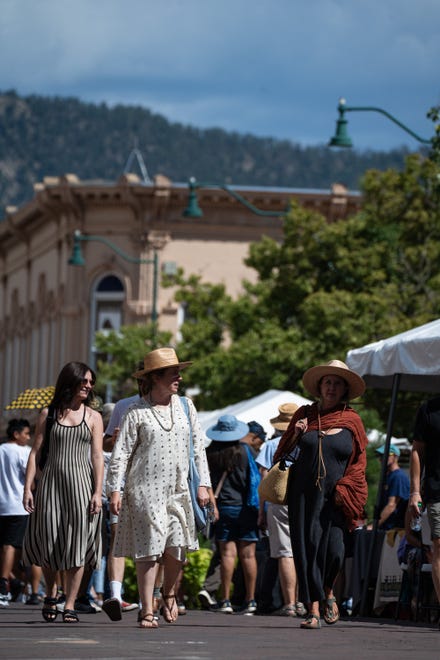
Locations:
(107, 306)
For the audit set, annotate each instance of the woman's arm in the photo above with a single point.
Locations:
(34, 457)
(199, 455)
(97, 460)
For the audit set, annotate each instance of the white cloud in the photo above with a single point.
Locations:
(273, 67)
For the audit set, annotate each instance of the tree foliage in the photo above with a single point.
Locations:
(326, 288)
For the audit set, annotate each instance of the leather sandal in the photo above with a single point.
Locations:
(331, 611)
(311, 622)
(49, 610)
(169, 613)
(70, 616)
(148, 618)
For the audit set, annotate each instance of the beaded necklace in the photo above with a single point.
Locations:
(158, 417)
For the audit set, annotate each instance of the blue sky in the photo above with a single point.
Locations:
(267, 67)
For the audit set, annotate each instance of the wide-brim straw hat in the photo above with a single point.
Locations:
(312, 377)
(160, 358)
(227, 429)
(282, 420)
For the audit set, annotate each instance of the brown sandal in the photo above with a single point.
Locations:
(149, 620)
(169, 613)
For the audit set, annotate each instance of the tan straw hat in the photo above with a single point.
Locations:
(161, 358)
(311, 378)
(282, 421)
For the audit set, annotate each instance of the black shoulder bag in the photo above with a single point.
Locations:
(44, 452)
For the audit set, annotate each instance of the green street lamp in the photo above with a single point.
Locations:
(341, 137)
(193, 209)
(77, 259)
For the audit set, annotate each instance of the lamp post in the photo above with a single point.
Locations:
(193, 209)
(77, 259)
(341, 137)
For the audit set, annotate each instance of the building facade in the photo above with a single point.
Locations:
(131, 232)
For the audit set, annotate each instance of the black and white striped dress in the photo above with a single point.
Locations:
(61, 532)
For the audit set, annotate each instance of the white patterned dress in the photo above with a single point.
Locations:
(152, 454)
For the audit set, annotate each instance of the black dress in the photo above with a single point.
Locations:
(316, 525)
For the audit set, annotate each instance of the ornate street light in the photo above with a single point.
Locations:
(341, 137)
(77, 259)
(193, 209)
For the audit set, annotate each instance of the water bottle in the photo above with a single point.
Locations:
(416, 521)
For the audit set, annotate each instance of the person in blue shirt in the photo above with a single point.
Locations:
(395, 495)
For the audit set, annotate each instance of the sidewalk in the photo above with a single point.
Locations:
(208, 636)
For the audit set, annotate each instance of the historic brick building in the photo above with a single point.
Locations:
(50, 310)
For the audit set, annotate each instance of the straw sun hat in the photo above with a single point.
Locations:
(312, 377)
(282, 420)
(161, 358)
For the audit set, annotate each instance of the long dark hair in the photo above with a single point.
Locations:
(224, 455)
(69, 380)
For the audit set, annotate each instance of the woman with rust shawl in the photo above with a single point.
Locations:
(327, 488)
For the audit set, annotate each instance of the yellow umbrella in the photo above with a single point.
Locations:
(35, 398)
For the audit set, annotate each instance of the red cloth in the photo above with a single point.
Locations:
(352, 487)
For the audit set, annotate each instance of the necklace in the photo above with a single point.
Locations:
(158, 417)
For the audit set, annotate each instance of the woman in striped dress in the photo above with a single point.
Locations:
(64, 529)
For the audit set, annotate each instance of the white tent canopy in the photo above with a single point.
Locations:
(261, 409)
(414, 354)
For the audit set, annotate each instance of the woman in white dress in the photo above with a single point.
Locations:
(156, 519)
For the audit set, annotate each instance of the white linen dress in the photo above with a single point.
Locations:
(152, 454)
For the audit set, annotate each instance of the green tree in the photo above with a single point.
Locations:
(324, 289)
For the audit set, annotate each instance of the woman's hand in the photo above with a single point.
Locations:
(115, 503)
(203, 495)
(28, 501)
(301, 426)
(95, 504)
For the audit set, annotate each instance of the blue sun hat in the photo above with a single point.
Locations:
(393, 450)
(227, 429)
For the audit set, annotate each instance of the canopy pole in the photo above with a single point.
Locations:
(372, 547)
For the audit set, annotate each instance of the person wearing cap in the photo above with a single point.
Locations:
(235, 480)
(152, 453)
(327, 488)
(255, 438)
(275, 517)
(395, 494)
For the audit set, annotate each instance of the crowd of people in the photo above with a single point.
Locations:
(118, 478)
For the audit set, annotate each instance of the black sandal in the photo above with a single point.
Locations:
(148, 618)
(49, 610)
(70, 616)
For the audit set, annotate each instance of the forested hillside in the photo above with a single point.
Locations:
(45, 136)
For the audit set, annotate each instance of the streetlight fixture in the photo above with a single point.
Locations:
(193, 209)
(341, 137)
(77, 259)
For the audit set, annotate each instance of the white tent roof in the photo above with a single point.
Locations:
(415, 354)
(261, 409)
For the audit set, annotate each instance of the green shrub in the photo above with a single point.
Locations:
(194, 574)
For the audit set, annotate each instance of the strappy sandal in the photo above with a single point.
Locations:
(49, 610)
(311, 622)
(70, 616)
(167, 611)
(331, 611)
(149, 620)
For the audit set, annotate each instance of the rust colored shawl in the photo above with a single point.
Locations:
(352, 487)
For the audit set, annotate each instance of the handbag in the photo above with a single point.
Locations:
(200, 512)
(273, 487)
